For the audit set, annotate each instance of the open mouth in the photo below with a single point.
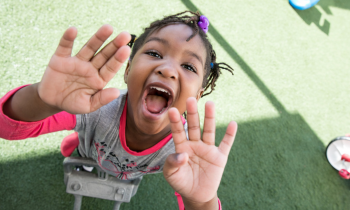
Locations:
(157, 99)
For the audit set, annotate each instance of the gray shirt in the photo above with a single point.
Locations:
(102, 138)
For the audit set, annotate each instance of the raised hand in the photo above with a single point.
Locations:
(75, 84)
(196, 169)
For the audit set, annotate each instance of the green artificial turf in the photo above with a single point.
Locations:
(289, 95)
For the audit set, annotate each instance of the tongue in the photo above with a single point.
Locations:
(155, 103)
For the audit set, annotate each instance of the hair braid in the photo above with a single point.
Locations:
(214, 75)
(188, 20)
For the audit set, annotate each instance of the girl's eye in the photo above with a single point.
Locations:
(190, 67)
(153, 54)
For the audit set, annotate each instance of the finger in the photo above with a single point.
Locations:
(109, 50)
(103, 97)
(173, 163)
(194, 131)
(65, 46)
(227, 141)
(108, 71)
(177, 128)
(96, 41)
(209, 124)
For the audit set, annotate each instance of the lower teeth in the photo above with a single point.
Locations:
(162, 110)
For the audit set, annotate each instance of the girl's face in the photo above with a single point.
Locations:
(164, 72)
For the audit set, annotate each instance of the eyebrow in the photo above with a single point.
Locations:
(165, 42)
(195, 55)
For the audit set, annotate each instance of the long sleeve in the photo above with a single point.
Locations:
(14, 130)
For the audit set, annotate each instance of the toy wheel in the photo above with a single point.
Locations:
(334, 151)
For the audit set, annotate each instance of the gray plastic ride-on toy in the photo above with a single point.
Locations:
(97, 185)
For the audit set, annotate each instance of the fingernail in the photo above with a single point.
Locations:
(179, 157)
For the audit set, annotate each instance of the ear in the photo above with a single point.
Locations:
(127, 72)
(200, 93)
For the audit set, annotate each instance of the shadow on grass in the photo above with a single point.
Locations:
(313, 15)
(275, 163)
(326, 4)
(37, 183)
(280, 163)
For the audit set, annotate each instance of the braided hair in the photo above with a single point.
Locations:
(189, 18)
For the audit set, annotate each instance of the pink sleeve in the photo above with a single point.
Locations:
(181, 203)
(14, 130)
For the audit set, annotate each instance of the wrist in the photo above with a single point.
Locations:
(47, 107)
(212, 204)
(26, 105)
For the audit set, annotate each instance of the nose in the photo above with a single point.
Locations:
(168, 70)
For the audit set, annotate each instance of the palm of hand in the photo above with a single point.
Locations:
(196, 172)
(75, 84)
(202, 173)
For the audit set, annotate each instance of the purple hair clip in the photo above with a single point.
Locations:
(203, 23)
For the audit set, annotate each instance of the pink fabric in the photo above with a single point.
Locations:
(14, 130)
(69, 144)
(181, 203)
(219, 202)
(148, 151)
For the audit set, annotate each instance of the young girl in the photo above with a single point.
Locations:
(170, 68)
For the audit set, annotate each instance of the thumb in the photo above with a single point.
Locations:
(173, 163)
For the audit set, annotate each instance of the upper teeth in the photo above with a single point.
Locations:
(161, 89)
